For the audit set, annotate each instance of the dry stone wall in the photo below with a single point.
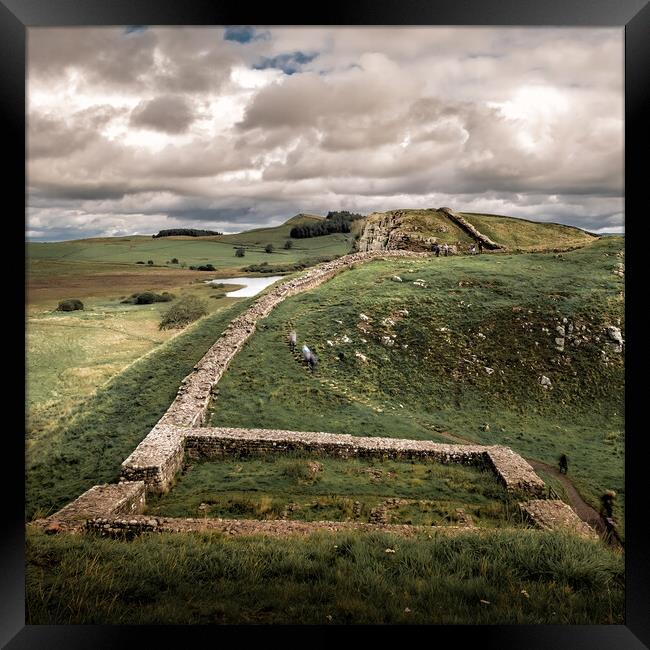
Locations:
(109, 500)
(131, 526)
(191, 404)
(471, 230)
(554, 514)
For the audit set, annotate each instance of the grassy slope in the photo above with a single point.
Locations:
(439, 383)
(524, 576)
(86, 447)
(521, 234)
(70, 354)
(263, 487)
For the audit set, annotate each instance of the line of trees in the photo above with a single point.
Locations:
(334, 222)
(186, 232)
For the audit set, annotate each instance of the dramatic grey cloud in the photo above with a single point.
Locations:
(167, 113)
(134, 130)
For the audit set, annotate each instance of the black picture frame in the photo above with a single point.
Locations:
(16, 16)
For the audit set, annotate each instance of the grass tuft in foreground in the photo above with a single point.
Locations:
(500, 577)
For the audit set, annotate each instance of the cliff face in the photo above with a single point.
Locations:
(388, 231)
(384, 232)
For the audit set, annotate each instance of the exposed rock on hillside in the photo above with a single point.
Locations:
(386, 232)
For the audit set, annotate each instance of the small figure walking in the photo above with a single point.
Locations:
(564, 465)
(292, 339)
(480, 246)
(606, 511)
(436, 248)
(309, 357)
(472, 250)
(445, 248)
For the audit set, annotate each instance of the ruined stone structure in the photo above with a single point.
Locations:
(152, 466)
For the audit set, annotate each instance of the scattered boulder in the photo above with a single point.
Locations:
(387, 340)
(396, 278)
(70, 305)
(614, 334)
(489, 370)
(363, 357)
(363, 317)
(545, 382)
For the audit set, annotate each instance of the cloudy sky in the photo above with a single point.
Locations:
(135, 129)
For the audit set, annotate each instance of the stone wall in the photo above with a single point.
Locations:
(471, 230)
(108, 500)
(152, 466)
(154, 462)
(192, 402)
(550, 514)
(131, 526)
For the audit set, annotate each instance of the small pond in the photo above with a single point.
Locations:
(252, 288)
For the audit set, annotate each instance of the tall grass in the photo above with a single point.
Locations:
(501, 577)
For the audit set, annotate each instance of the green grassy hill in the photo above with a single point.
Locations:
(463, 362)
(522, 234)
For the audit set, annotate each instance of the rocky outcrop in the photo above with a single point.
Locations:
(461, 222)
(385, 232)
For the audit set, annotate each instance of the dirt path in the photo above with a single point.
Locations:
(581, 507)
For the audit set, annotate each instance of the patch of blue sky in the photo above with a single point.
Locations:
(135, 29)
(244, 34)
(289, 63)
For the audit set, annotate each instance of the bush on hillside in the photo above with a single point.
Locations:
(268, 248)
(150, 262)
(70, 305)
(174, 260)
(148, 298)
(140, 262)
(185, 311)
(240, 251)
(288, 244)
(203, 267)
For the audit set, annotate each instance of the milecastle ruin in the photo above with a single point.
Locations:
(153, 465)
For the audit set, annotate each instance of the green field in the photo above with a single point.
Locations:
(297, 487)
(474, 313)
(496, 577)
(216, 250)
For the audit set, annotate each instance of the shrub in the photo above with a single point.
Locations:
(140, 262)
(205, 267)
(150, 262)
(268, 248)
(174, 260)
(147, 298)
(288, 244)
(70, 305)
(240, 252)
(185, 311)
